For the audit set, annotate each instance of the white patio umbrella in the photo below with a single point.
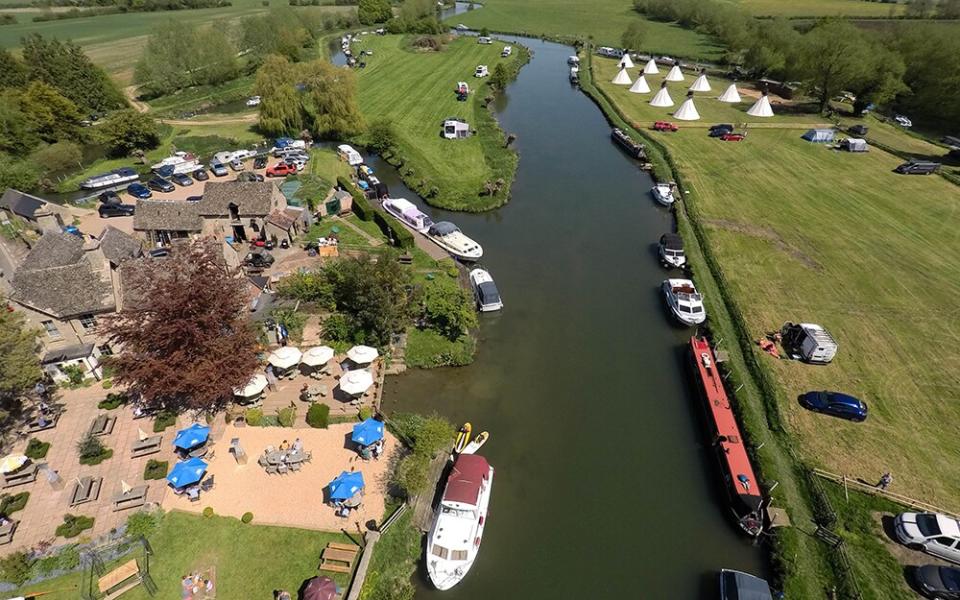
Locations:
(284, 358)
(255, 386)
(354, 383)
(12, 462)
(362, 355)
(316, 356)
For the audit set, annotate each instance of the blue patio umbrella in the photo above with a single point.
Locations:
(346, 485)
(191, 437)
(187, 472)
(367, 432)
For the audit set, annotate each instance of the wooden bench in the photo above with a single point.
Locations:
(135, 498)
(151, 445)
(49, 423)
(338, 557)
(6, 532)
(86, 490)
(103, 425)
(26, 475)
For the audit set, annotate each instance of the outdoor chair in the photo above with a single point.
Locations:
(150, 445)
(27, 474)
(262, 461)
(207, 484)
(6, 532)
(295, 466)
(49, 422)
(193, 494)
(281, 469)
(103, 425)
(271, 470)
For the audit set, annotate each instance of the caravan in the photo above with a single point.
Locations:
(348, 154)
(454, 129)
(481, 71)
(808, 341)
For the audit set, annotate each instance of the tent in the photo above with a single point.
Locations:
(346, 485)
(761, 108)
(675, 74)
(625, 62)
(854, 145)
(701, 84)
(650, 68)
(640, 86)
(819, 136)
(191, 437)
(731, 95)
(687, 111)
(622, 78)
(662, 99)
(187, 472)
(367, 432)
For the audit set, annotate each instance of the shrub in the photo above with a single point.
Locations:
(336, 328)
(318, 415)
(10, 504)
(67, 559)
(208, 512)
(96, 460)
(286, 416)
(16, 567)
(92, 451)
(106, 384)
(72, 525)
(143, 524)
(365, 413)
(112, 401)
(247, 517)
(164, 419)
(254, 416)
(37, 449)
(75, 374)
(391, 228)
(412, 474)
(155, 469)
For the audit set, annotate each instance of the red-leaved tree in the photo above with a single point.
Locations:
(184, 337)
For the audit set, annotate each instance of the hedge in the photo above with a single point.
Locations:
(400, 235)
(361, 206)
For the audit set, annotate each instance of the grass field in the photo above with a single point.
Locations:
(820, 8)
(415, 91)
(603, 20)
(806, 233)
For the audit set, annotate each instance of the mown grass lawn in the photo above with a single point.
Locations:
(415, 91)
(820, 8)
(805, 233)
(603, 20)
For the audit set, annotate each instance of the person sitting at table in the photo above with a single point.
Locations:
(378, 449)
(284, 446)
(297, 446)
(42, 421)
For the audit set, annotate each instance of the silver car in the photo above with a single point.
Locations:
(932, 533)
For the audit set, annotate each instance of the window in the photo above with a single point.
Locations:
(944, 541)
(88, 321)
(52, 330)
(458, 555)
(105, 350)
(440, 551)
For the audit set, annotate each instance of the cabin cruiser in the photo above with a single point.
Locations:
(449, 237)
(485, 291)
(663, 193)
(113, 178)
(632, 148)
(181, 162)
(671, 251)
(684, 301)
(457, 529)
(737, 585)
(573, 61)
(407, 213)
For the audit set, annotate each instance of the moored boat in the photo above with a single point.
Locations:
(449, 237)
(181, 162)
(113, 178)
(485, 291)
(737, 585)
(457, 530)
(634, 149)
(407, 213)
(663, 193)
(684, 301)
(477, 443)
(740, 483)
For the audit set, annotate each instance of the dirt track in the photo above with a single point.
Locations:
(131, 93)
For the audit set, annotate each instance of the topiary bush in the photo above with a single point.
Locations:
(37, 449)
(155, 469)
(318, 415)
(286, 416)
(365, 413)
(247, 517)
(73, 526)
(208, 512)
(92, 451)
(254, 416)
(10, 504)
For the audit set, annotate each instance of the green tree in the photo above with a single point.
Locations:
(920, 9)
(64, 66)
(372, 294)
(932, 59)
(374, 11)
(54, 117)
(882, 80)
(18, 174)
(58, 157)
(179, 55)
(19, 366)
(13, 73)
(277, 32)
(634, 36)
(281, 111)
(128, 130)
(16, 132)
(833, 57)
(330, 100)
(449, 308)
(948, 9)
(770, 48)
(500, 76)
(383, 136)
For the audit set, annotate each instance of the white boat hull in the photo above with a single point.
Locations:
(103, 183)
(463, 256)
(393, 213)
(662, 198)
(688, 320)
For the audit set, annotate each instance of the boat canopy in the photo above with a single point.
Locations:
(443, 228)
(466, 479)
(671, 241)
(743, 586)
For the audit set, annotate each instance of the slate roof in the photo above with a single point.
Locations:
(21, 204)
(59, 278)
(282, 219)
(167, 215)
(118, 246)
(253, 198)
(69, 353)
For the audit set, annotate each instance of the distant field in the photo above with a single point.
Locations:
(820, 8)
(805, 233)
(604, 20)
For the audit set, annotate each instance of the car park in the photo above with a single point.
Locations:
(260, 162)
(665, 126)
(109, 197)
(218, 169)
(159, 184)
(843, 406)
(932, 533)
(937, 582)
(296, 163)
(181, 179)
(201, 175)
(116, 210)
(139, 191)
(281, 170)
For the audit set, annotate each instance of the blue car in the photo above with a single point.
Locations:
(139, 191)
(835, 404)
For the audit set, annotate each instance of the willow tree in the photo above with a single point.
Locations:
(330, 100)
(280, 104)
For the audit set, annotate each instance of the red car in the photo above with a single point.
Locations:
(733, 137)
(665, 126)
(281, 170)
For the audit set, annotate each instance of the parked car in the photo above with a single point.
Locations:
(159, 253)
(260, 162)
(139, 191)
(253, 101)
(835, 404)
(733, 137)
(918, 167)
(937, 582)
(236, 164)
(258, 259)
(159, 184)
(903, 121)
(201, 175)
(281, 170)
(116, 210)
(296, 163)
(249, 176)
(719, 130)
(194, 198)
(182, 179)
(665, 126)
(109, 197)
(859, 130)
(932, 533)
(218, 169)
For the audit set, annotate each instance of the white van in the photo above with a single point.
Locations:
(507, 51)
(810, 341)
(484, 40)
(481, 71)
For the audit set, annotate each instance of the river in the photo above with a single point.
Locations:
(603, 487)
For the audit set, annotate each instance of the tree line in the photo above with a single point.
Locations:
(110, 7)
(911, 66)
(413, 16)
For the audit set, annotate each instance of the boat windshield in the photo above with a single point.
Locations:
(460, 513)
(438, 550)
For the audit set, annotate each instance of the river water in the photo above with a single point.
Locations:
(603, 487)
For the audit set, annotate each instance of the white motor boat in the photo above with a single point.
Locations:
(663, 193)
(684, 300)
(485, 291)
(113, 178)
(457, 529)
(449, 237)
(407, 213)
(181, 162)
(671, 251)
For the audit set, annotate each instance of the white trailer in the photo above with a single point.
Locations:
(811, 342)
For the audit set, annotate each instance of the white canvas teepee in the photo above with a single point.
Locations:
(625, 62)
(701, 84)
(651, 68)
(640, 86)
(731, 95)
(761, 108)
(687, 111)
(662, 98)
(622, 78)
(675, 74)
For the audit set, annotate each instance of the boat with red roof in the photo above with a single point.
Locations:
(457, 529)
(742, 487)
